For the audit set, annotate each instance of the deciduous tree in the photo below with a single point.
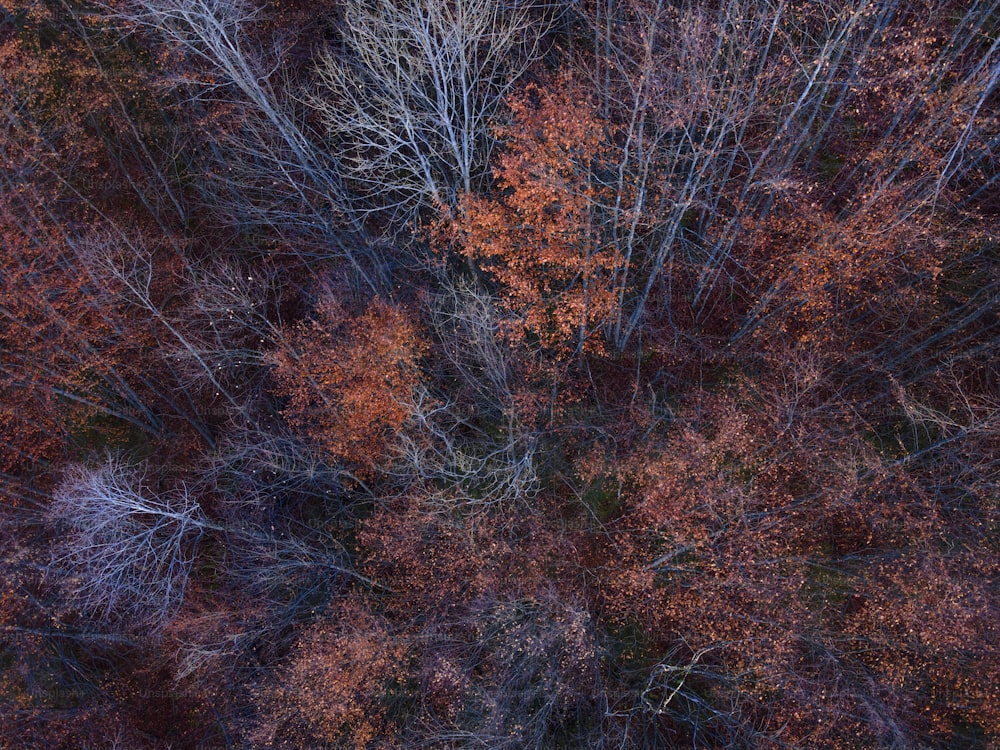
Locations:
(542, 238)
(348, 378)
(412, 93)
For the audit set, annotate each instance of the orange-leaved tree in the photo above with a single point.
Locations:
(335, 689)
(347, 379)
(541, 236)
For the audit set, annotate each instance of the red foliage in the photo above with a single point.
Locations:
(540, 235)
(347, 380)
(336, 686)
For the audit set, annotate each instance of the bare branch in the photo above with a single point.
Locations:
(412, 93)
(132, 549)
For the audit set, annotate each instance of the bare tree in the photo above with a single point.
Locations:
(130, 544)
(692, 86)
(461, 464)
(127, 261)
(527, 676)
(231, 320)
(258, 475)
(132, 548)
(471, 448)
(724, 109)
(271, 169)
(469, 326)
(412, 91)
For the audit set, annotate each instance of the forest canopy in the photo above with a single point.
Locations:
(506, 374)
